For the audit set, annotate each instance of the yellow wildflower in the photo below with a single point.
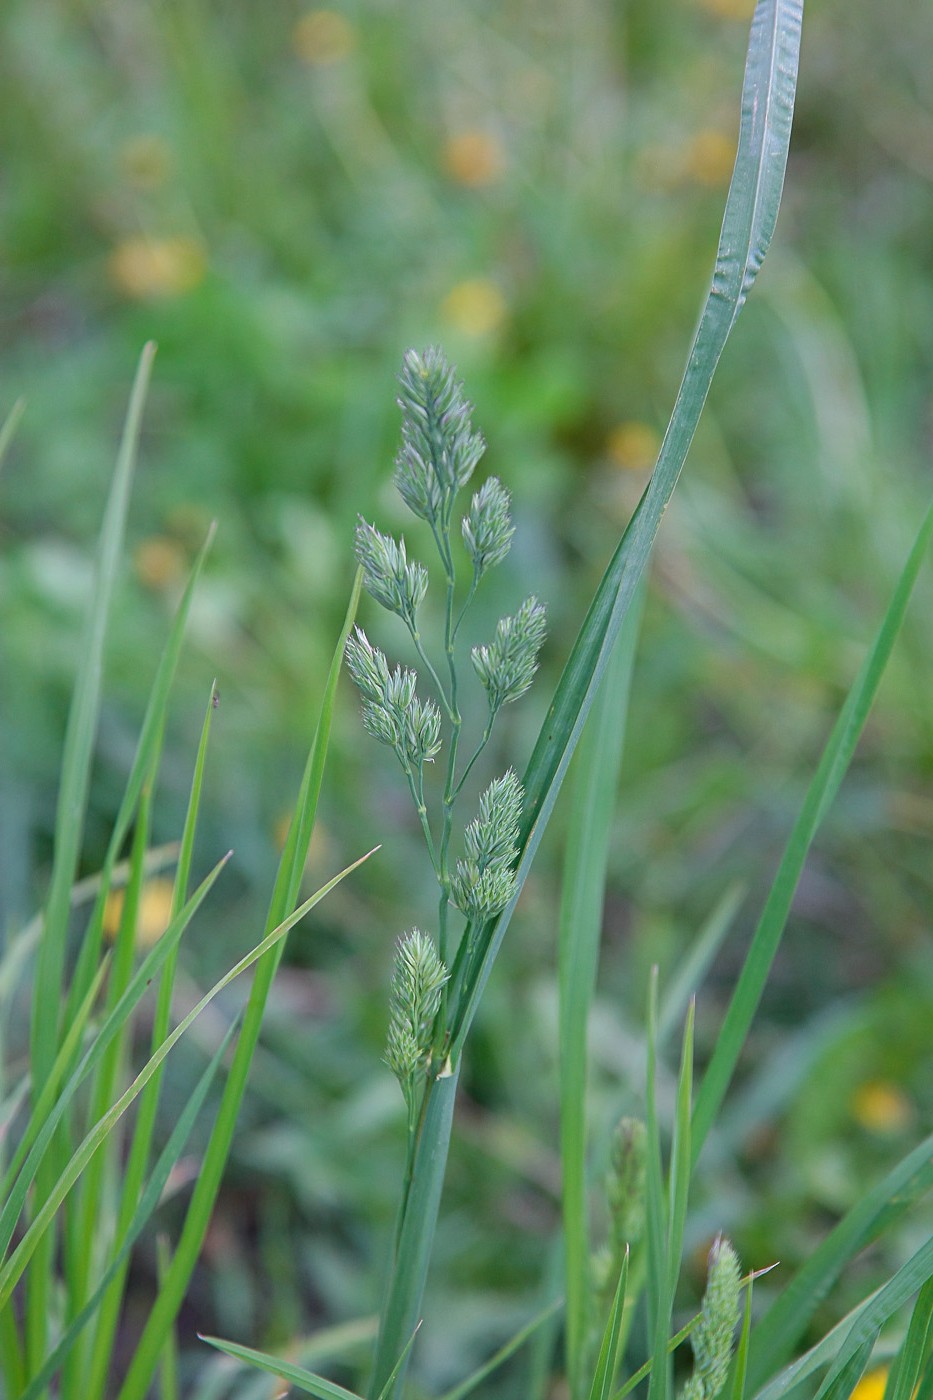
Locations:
(475, 307)
(728, 9)
(710, 157)
(159, 562)
(881, 1107)
(474, 158)
(872, 1384)
(149, 268)
(322, 37)
(633, 446)
(155, 911)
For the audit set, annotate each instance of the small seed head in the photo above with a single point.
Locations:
(506, 667)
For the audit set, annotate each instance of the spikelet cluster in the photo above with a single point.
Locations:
(625, 1200)
(417, 983)
(485, 879)
(439, 450)
(712, 1338)
(507, 666)
(392, 711)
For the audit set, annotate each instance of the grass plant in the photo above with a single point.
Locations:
(85, 1179)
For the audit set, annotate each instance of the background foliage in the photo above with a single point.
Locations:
(285, 199)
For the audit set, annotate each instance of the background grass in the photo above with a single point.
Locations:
(284, 199)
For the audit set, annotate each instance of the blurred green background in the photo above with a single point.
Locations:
(285, 199)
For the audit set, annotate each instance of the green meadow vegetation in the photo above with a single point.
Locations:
(346, 1049)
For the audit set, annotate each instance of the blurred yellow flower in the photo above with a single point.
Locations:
(146, 161)
(881, 1107)
(322, 37)
(149, 268)
(728, 9)
(155, 911)
(710, 157)
(633, 446)
(475, 307)
(474, 158)
(159, 562)
(872, 1384)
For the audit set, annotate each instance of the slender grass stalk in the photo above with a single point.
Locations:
(69, 826)
(288, 881)
(580, 931)
(97, 1365)
(748, 225)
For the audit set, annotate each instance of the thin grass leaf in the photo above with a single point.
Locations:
(464, 1388)
(47, 1098)
(410, 1268)
(580, 932)
(678, 1193)
(608, 1360)
(895, 1293)
(15, 1265)
(748, 224)
(10, 424)
(394, 1373)
(70, 812)
(305, 1381)
(644, 1371)
(776, 1332)
(904, 1375)
(144, 760)
(843, 1384)
(146, 1207)
(691, 972)
(655, 1218)
(925, 1388)
(134, 1172)
(740, 1365)
(829, 774)
(16, 1197)
(79, 741)
(285, 893)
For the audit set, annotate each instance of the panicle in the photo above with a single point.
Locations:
(485, 879)
(417, 983)
(712, 1338)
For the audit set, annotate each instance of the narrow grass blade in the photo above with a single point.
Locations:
(43, 1217)
(748, 223)
(678, 1193)
(47, 1098)
(829, 774)
(776, 1332)
(305, 1381)
(908, 1364)
(287, 886)
(79, 742)
(396, 1369)
(579, 936)
(644, 1371)
(16, 1198)
(147, 749)
(406, 1283)
(465, 1388)
(99, 1361)
(691, 973)
(740, 1365)
(656, 1224)
(863, 1332)
(148, 1202)
(10, 424)
(842, 1382)
(608, 1361)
